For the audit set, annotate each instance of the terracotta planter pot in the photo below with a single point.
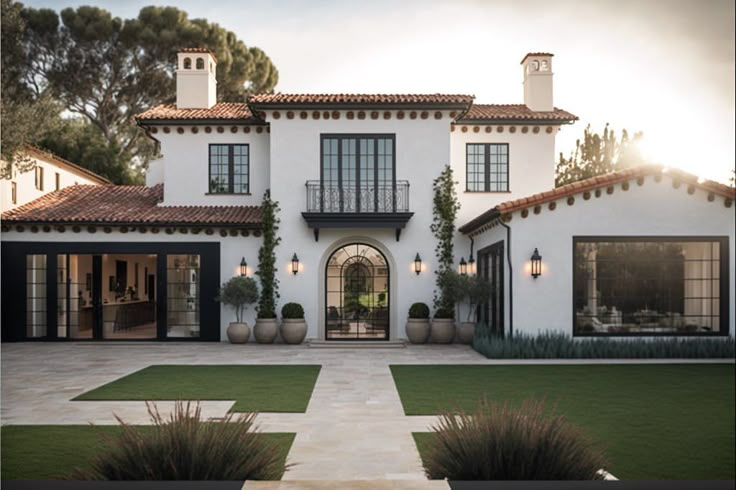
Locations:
(293, 330)
(266, 330)
(238, 333)
(443, 330)
(417, 330)
(465, 332)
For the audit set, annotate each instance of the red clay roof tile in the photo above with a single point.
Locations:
(361, 99)
(593, 183)
(121, 204)
(514, 112)
(222, 110)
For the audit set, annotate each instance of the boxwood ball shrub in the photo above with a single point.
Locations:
(183, 446)
(500, 442)
(419, 310)
(292, 311)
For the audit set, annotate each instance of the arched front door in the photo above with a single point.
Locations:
(357, 294)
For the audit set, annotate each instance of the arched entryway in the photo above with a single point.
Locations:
(357, 295)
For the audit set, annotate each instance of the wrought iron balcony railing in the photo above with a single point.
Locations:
(329, 197)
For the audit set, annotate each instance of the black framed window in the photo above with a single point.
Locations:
(487, 167)
(229, 169)
(39, 178)
(650, 286)
(358, 173)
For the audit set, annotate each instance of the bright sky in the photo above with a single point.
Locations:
(662, 67)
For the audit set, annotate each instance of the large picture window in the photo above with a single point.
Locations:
(229, 169)
(487, 167)
(650, 286)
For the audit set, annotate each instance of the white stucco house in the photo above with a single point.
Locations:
(47, 173)
(644, 252)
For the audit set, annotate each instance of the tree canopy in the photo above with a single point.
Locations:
(598, 154)
(105, 70)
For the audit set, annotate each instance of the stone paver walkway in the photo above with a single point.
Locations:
(354, 427)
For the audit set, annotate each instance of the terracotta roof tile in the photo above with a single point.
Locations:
(515, 112)
(220, 111)
(593, 183)
(198, 50)
(361, 99)
(121, 204)
(534, 54)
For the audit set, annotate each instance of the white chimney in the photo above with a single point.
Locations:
(538, 81)
(196, 85)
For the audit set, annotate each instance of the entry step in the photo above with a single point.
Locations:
(347, 484)
(357, 344)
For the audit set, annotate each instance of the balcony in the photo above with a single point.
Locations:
(331, 205)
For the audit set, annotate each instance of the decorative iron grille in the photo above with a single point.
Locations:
(328, 197)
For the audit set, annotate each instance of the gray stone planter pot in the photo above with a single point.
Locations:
(443, 330)
(238, 333)
(465, 332)
(417, 330)
(266, 330)
(293, 330)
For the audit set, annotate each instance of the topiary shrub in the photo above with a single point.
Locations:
(500, 442)
(238, 292)
(292, 311)
(419, 310)
(444, 314)
(186, 447)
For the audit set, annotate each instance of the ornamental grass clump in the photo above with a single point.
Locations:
(500, 442)
(183, 446)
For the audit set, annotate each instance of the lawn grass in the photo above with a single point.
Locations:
(671, 421)
(52, 452)
(261, 388)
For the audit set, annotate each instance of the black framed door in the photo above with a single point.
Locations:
(357, 295)
(40, 301)
(490, 267)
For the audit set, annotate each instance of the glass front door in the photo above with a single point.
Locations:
(490, 267)
(357, 293)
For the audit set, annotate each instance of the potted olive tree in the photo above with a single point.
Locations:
(293, 325)
(267, 325)
(473, 291)
(238, 292)
(417, 326)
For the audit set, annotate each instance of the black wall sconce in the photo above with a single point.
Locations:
(536, 264)
(243, 267)
(294, 264)
(463, 266)
(417, 264)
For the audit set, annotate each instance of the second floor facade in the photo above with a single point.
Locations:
(348, 156)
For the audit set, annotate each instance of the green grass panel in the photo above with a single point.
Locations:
(257, 388)
(670, 421)
(52, 452)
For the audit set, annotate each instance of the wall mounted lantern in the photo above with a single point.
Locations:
(417, 264)
(243, 267)
(463, 266)
(536, 264)
(471, 264)
(294, 264)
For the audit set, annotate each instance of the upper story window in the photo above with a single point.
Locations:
(487, 167)
(229, 169)
(39, 178)
(359, 172)
(57, 181)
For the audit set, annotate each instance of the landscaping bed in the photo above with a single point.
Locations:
(669, 421)
(257, 388)
(51, 452)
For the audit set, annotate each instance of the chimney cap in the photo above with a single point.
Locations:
(535, 54)
(198, 50)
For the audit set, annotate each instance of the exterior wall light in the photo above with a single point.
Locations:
(417, 264)
(536, 264)
(471, 265)
(294, 264)
(243, 267)
(463, 266)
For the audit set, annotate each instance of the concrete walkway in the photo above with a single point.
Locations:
(354, 427)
